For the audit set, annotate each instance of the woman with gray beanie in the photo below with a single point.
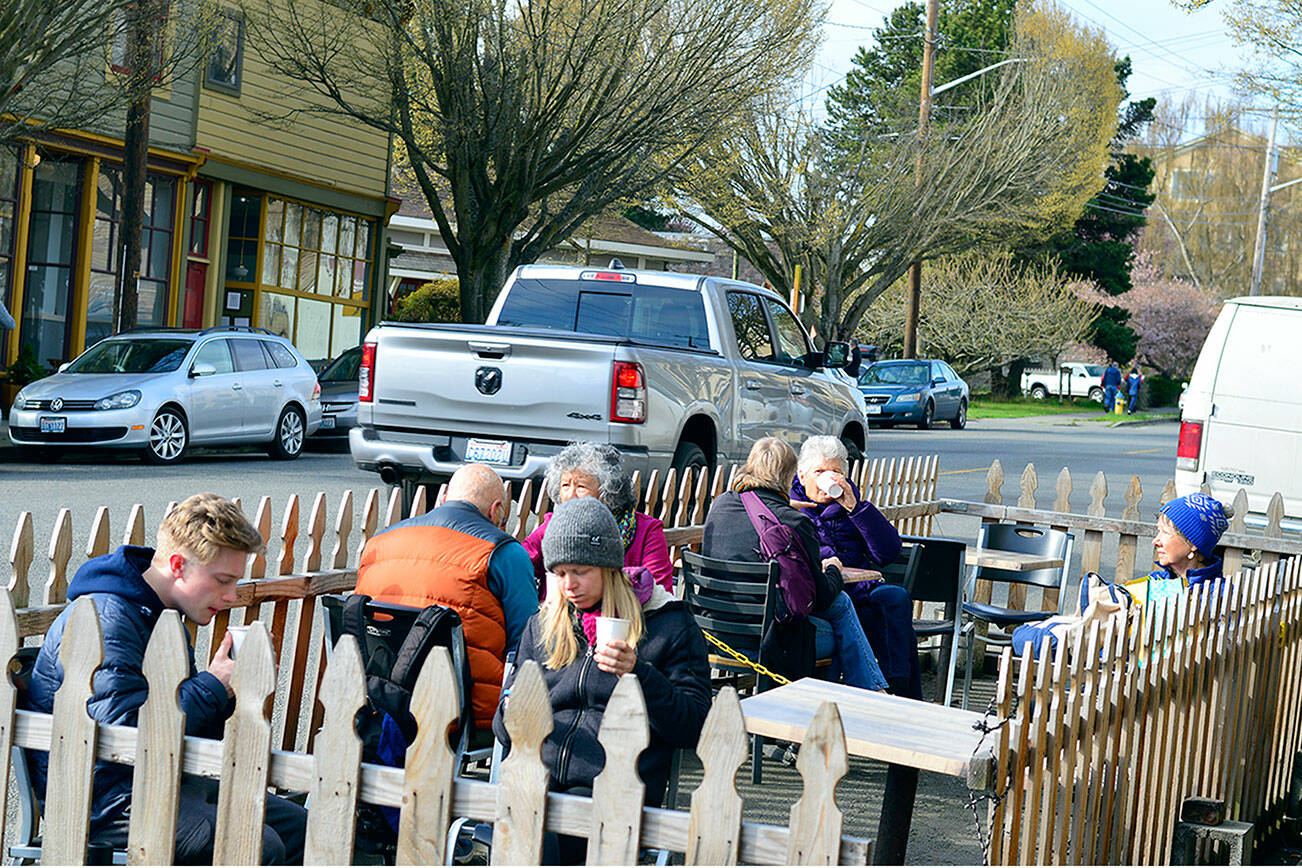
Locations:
(597, 470)
(663, 647)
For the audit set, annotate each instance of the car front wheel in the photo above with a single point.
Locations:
(960, 418)
(928, 416)
(168, 437)
(290, 431)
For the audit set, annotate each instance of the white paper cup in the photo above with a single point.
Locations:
(238, 635)
(827, 482)
(611, 629)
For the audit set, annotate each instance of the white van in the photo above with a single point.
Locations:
(1241, 416)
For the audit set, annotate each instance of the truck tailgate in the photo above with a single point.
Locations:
(493, 383)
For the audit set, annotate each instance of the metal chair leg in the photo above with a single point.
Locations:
(967, 677)
(756, 758)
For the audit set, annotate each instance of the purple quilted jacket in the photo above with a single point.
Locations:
(863, 538)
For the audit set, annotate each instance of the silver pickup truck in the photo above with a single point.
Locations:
(673, 369)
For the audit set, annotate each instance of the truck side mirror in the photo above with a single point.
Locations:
(836, 354)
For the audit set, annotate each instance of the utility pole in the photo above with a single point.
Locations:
(914, 305)
(1263, 209)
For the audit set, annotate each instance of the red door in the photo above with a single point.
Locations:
(196, 276)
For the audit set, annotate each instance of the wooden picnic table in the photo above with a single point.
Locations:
(854, 575)
(905, 733)
(1002, 560)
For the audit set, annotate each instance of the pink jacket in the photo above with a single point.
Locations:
(648, 549)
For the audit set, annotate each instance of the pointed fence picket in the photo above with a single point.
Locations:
(428, 793)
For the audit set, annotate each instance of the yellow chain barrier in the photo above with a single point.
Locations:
(743, 659)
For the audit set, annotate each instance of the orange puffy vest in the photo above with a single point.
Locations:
(441, 558)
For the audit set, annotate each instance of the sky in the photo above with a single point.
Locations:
(1173, 52)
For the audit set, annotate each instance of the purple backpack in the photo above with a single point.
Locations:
(780, 543)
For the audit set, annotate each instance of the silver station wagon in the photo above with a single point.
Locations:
(163, 391)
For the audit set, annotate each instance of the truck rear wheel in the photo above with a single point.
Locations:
(1039, 392)
(689, 455)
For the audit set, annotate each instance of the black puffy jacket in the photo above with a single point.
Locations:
(674, 675)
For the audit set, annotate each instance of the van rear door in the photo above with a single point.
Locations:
(1253, 436)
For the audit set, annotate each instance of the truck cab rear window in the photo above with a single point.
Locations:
(651, 314)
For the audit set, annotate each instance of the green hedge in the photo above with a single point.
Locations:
(437, 301)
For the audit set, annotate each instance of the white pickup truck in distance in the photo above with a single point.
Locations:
(674, 370)
(1072, 379)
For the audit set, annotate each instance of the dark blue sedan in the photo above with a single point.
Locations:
(917, 391)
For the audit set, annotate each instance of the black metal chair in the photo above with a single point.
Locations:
(937, 577)
(1018, 539)
(26, 846)
(386, 628)
(734, 602)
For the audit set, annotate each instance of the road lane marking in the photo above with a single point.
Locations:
(1146, 451)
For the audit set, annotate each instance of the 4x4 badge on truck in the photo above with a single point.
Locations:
(488, 380)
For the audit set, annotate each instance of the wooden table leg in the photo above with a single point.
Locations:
(897, 815)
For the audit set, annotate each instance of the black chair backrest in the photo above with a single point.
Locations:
(1030, 540)
(939, 570)
(387, 626)
(901, 570)
(732, 600)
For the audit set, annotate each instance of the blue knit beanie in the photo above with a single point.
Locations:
(1201, 519)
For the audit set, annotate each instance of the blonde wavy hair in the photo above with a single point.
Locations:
(204, 524)
(771, 464)
(618, 600)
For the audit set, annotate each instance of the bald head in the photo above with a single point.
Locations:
(479, 484)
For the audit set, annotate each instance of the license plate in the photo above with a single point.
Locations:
(874, 409)
(327, 422)
(54, 424)
(489, 451)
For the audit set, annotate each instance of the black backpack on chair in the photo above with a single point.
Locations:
(394, 642)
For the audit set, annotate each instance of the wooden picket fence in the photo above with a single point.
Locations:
(428, 791)
(281, 589)
(1201, 697)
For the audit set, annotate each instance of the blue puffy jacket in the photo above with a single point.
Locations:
(128, 610)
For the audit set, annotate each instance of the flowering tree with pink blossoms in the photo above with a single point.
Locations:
(1171, 318)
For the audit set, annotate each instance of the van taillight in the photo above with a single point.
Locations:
(628, 393)
(1190, 446)
(366, 374)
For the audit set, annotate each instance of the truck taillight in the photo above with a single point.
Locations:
(366, 374)
(628, 393)
(1190, 445)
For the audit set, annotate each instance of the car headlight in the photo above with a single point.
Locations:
(20, 400)
(120, 401)
(912, 396)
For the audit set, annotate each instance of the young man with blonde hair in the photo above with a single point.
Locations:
(203, 547)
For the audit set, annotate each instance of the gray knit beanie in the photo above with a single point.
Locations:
(582, 531)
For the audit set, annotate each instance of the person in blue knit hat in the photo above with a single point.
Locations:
(1189, 529)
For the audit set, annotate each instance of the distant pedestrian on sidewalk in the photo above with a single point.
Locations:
(1133, 381)
(1111, 385)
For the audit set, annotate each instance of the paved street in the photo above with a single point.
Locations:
(87, 481)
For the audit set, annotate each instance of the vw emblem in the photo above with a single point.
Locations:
(488, 380)
(56, 405)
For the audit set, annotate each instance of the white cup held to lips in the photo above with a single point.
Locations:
(610, 629)
(238, 635)
(827, 482)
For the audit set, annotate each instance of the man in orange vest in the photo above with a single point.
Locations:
(457, 555)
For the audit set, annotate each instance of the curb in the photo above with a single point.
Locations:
(1162, 420)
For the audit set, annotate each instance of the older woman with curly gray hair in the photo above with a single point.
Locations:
(597, 470)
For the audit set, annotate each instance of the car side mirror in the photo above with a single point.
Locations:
(202, 369)
(938, 381)
(64, 367)
(836, 355)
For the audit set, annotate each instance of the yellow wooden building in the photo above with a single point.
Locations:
(248, 221)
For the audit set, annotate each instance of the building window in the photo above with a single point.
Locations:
(316, 271)
(106, 252)
(222, 71)
(9, 162)
(51, 253)
(199, 216)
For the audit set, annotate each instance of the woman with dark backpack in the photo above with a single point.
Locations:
(815, 616)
